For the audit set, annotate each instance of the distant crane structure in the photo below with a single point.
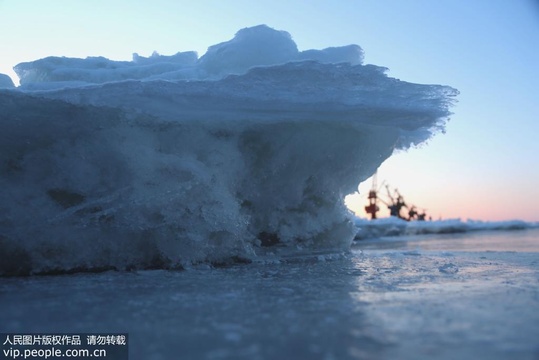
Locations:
(395, 204)
(373, 208)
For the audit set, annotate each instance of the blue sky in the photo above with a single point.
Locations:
(485, 167)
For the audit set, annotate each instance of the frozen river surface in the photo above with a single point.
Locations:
(467, 296)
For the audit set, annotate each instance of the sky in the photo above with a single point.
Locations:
(484, 167)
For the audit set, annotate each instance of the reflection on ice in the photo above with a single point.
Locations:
(476, 241)
(372, 303)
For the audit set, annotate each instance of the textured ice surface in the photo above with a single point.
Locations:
(255, 152)
(450, 297)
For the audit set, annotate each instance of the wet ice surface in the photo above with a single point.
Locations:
(445, 297)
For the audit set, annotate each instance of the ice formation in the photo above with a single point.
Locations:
(173, 160)
(6, 82)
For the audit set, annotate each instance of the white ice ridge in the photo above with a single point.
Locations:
(255, 152)
(393, 226)
(256, 46)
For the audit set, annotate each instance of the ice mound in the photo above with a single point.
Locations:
(252, 153)
(6, 82)
(250, 47)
